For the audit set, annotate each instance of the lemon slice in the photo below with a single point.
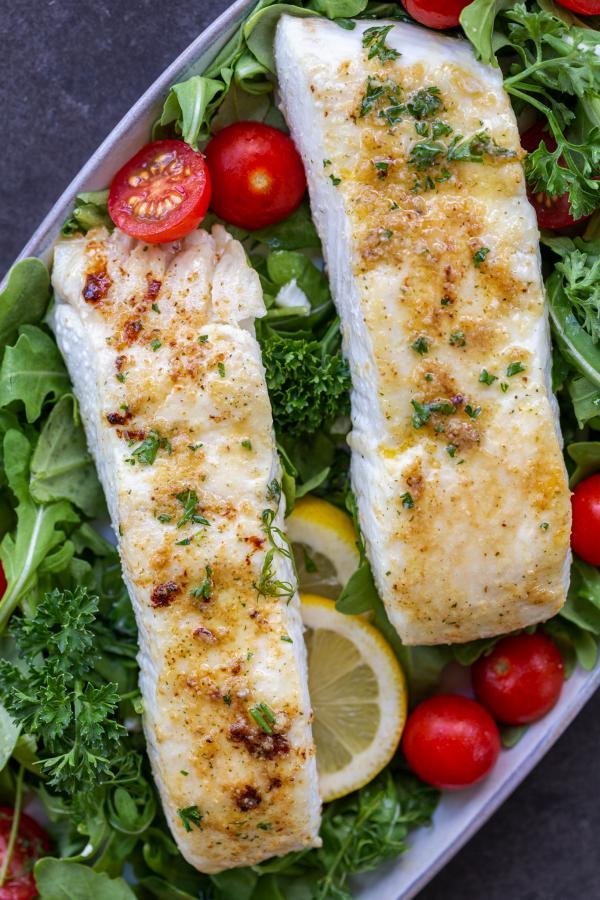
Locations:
(324, 543)
(358, 695)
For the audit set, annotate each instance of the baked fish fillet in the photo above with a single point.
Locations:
(159, 342)
(435, 270)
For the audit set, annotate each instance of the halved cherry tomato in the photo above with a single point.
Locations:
(450, 741)
(552, 212)
(257, 174)
(162, 193)
(521, 679)
(31, 844)
(436, 13)
(585, 7)
(585, 530)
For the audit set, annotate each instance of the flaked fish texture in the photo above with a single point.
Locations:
(417, 190)
(160, 345)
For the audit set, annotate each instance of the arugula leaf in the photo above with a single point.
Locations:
(586, 455)
(585, 397)
(189, 105)
(37, 538)
(9, 734)
(24, 299)
(59, 879)
(576, 345)
(90, 211)
(32, 371)
(477, 20)
(61, 467)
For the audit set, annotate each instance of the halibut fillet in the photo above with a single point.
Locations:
(416, 185)
(160, 345)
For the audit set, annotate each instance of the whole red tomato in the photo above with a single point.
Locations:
(585, 529)
(521, 679)
(450, 741)
(438, 14)
(160, 194)
(257, 175)
(585, 7)
(31, 844)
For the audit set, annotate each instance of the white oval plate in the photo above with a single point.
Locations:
(460, 815)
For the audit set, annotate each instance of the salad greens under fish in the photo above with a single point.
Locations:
(70, 730)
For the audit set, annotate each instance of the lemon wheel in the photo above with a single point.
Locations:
(324, 543)
(358, 695)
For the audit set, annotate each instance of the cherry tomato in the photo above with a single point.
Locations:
(585, 7)
(436, 13)
(32, 843)
(552, 212)
(585, 530)
(162, 193)
(2, 581)
(450, 741)
(521, 679)
(258, 176)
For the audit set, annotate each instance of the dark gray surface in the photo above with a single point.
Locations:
(68, 72)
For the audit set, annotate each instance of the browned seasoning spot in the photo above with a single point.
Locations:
(96, 287)
(258, 743)
(153, 288)
(132, 330)
(120, 362)
(119, 418)
(256, 541)
(134, 434)
(205, 634)
(462, 434)
(164, 594)
(247, 798)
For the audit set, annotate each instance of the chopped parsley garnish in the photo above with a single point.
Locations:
(189, 501)
(407, 500)
(422, 411)
(486, 378)
(286, 638)
(422, 129)
(445, 301)
(475, 147)
(375, 91)
(514, 368)
(386, 234)
(503, 386)
(420, 345)
(451, 450)
(221, 368)
(190, 816)
(273, 490)
(155, 308)
(373, 40)
(480, 255)
(427, 153)
(194, 447)
(183, 772)
(382, 167)
(121, 376)
(146, 452)
(335, 180)
(425, 102)
(155, 344)
(545, 526)
(247, 445)
(184, 542)
(440, 129)
(457, 339)
(326, 162)
(204, 590)
(227, 699)
(264, 717)
(472, 412)
(202, 339)
(164, 518)
(264, 826)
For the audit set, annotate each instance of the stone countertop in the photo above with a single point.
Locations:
(68, 72)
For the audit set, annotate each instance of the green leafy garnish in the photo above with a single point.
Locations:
(373, 40)
(145, 453)
(189, 501)
(191, 817)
